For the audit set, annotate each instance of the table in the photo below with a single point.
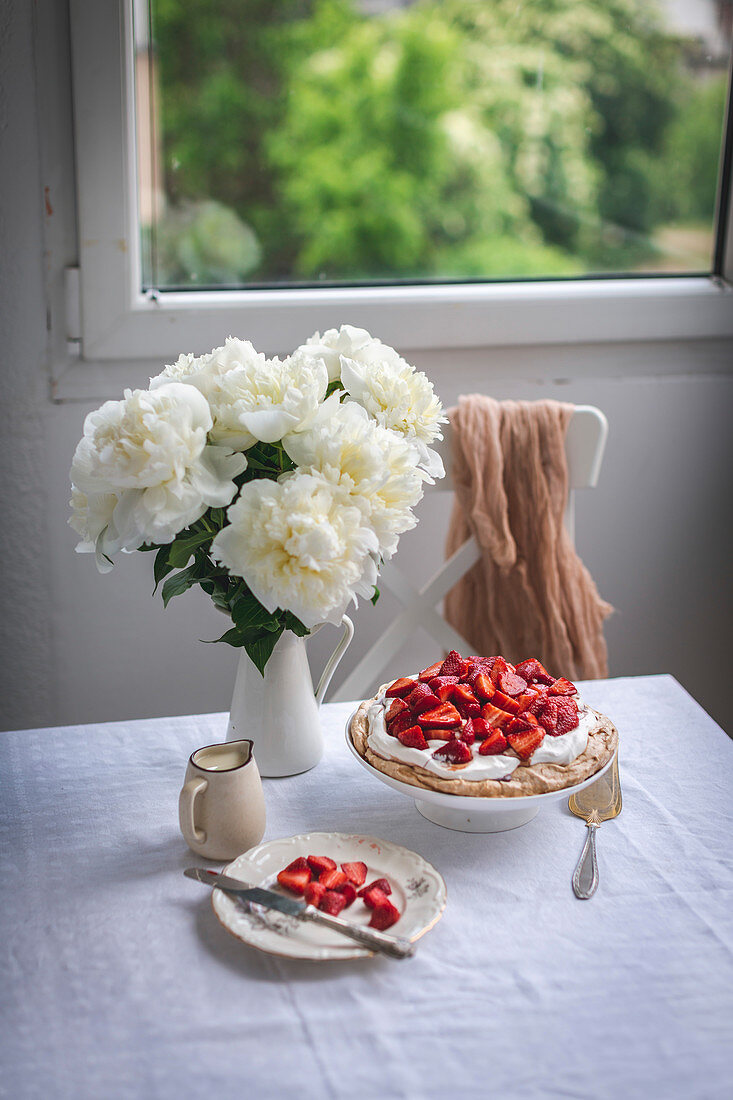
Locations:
(117, 980)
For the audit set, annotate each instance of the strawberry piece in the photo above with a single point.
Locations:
(548, 715)
(468, 733)
(494, 716)
(400, 687)
(511, 683)
(567, 715)
(441, 686)
(455, 751)
(479, 727)
(355, 872)
(531, 669)
(374, 895)
(319, 864)
(295, 881)
(522, 722)
(299, 864)
(453, 665)
(505, 702)
(525, 743)
(348, 890)
(314, 892)
(500, 666)
(536, 705)
(440, 735)
(428, 674)
(421, 698)
(494, 744)
(563, 687)
(384, 916)
(378, 884)
(445, 716)
(332, 879)
(465, 701)
(412, 738)
(333, 902)
(483, 686)
(396, 706)
(401, 723)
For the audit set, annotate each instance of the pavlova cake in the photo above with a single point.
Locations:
(483, 727)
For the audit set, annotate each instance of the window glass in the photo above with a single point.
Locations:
(302, 142)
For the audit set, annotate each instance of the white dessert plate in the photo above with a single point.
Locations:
(473, 815)
(418, 891)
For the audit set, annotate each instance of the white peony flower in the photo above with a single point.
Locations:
(334, 343)
(300, 545)
(376, 467)
(144, 466)
(398, 397)
(253, 398)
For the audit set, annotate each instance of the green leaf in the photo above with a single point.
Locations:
(375, 595)
(179, 583)
(231, 637)
(259, 651)
(250, 616)
(294, 624)
(161, 566)
(182, 549)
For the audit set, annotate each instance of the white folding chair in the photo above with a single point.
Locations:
(585, 442)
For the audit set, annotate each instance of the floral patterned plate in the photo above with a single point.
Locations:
(418, 891)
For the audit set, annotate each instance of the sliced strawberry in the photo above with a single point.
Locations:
(505, 702)
(483, 686)
(355, 872)
(494, 716)
(440, 735)
(401, 723)
(445, 716)
(347, 890)
(453, 665)
(467, 734)
(536, 705)
(384, 916)
(374, 895)
(548, 715)
(400, 687)
(332, 879)
(299, 864)
(479, 727)
(319, 864)
(421, 698)
(396, 706)
(295, 881)
(442, 685)
(333, 902)
(525, 743)
(563, 687)
(314, 891)
(427, 674)
(525, 721)
(494, 744)
(412, 738)
(499, 667)
(465, 701)
(567, 715)
(455, 751)
(511, 683)
(531, 669)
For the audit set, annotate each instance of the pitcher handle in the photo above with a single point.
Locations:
(333, 660)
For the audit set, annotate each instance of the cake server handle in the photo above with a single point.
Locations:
(585, 876)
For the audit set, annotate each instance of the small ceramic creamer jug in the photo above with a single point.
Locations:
(221, 808)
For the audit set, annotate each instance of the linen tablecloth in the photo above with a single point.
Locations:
(118, 981)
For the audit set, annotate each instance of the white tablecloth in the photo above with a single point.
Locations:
(116, 980)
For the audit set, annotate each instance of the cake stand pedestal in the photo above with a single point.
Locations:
(469, 821)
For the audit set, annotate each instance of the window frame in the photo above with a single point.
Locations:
(118, 321)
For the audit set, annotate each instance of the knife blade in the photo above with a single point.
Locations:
(367, 937)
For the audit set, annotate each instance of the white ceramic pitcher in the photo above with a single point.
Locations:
(279, 711)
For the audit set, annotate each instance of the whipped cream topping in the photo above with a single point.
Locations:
(554, 750)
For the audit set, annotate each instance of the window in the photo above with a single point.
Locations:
(447, 172)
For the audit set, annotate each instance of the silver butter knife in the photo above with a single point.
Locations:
(368, 937)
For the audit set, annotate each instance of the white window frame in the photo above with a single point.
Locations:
(118, 321)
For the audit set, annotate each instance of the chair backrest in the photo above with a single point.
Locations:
(585, 442)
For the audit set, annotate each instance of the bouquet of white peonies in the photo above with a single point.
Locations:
(278, 486)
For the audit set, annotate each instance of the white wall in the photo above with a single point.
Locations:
(76, 647)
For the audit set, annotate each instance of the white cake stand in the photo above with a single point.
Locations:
(474, 815)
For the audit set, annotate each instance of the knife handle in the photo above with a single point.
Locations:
(367, 937)
(585, 877)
